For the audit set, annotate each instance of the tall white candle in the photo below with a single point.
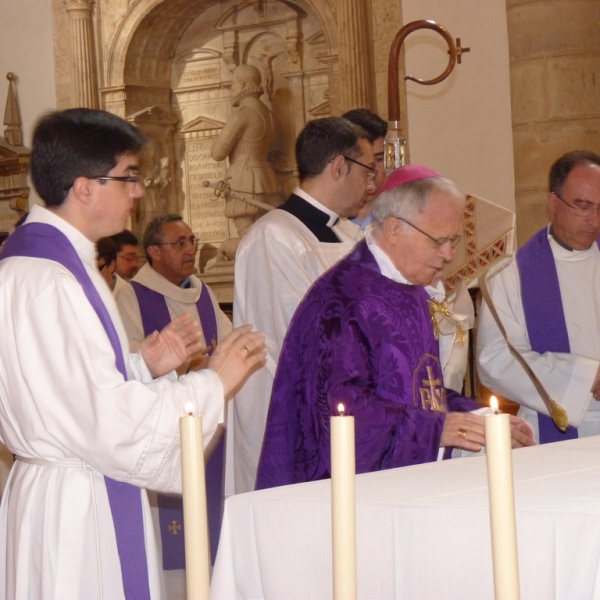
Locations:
(197, 555)
(343, 506)
(502, 505)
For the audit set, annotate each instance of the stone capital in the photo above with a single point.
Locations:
(79, 5)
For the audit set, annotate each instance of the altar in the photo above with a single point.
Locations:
(423, 532)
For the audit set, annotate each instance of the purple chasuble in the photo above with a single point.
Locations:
(39, 240)
(366, 341)
(155, 316)
(544, 315)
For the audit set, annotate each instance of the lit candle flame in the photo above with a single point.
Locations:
(494, 404)
(189, 409)
(341, 409)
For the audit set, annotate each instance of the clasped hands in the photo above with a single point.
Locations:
(240, 354)
(467, 431)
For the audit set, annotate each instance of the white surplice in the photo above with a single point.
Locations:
(277, 261)
(179, 301)
(568, 377)
(63, 402)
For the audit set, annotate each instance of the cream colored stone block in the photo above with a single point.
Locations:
(527, 90)
(532, 214)
(572, 87)
(553, 27)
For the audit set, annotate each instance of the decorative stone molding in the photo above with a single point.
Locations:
(355, 55)
(14, 162)
(84, 76)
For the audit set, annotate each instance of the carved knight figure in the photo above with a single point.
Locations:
(247, 138)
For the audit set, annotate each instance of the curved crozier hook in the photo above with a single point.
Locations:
(393, 85)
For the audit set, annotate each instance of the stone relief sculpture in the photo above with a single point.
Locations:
(247, 138)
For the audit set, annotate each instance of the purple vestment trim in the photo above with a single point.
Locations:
(544, 315)
(39, 240)
(155, 316)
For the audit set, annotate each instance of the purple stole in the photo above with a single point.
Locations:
(544, 315)
(39, 240)
(155, 316)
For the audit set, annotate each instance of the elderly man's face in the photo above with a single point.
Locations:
(175, 256)
(581, 188)
(418, 257)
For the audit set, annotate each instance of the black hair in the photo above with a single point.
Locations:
(79, 142)
(124, 238)
(560, 170)
(371, 122)
(107, 250)
(322, 140)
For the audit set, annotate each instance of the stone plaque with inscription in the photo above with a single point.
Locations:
(207, 218)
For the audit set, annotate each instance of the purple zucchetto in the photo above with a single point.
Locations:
(406, 175)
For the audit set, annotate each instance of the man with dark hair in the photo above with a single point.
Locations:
(376, 129)
(363, 337)
(90, 424)
(107, 260)
(547, 301)
(127, 254)
(282, 255)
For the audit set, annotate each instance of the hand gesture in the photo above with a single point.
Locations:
(240, 354)
(165, 351)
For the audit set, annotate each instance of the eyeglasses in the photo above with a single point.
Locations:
(128, 257)
(439, 242)
(581, 208)
(129, 178)
(372, 173)
(181, 244)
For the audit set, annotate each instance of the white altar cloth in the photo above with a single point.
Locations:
(422, 532)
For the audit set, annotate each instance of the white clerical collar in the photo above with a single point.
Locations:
(387, 268)
(333, 217)
(384, 262)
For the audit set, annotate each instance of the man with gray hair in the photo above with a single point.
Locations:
(170, 247)
(363, 337)
(164, 288)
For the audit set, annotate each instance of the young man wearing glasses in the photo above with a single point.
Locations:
(90, 424)
(127, 255)
(284, 252)
(547, 300)
(363, 336)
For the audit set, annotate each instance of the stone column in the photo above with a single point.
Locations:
(357, 86)
(84, 77)
(554, 70)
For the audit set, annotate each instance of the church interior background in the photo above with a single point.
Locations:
(524, 93)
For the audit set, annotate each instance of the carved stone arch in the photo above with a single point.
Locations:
(163, 66)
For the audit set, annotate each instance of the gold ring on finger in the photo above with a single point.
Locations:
(462, 433)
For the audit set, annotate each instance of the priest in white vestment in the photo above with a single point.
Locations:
(168, 278)
(171, 274)
(548, 300)
(283, 253)
(82, 415)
